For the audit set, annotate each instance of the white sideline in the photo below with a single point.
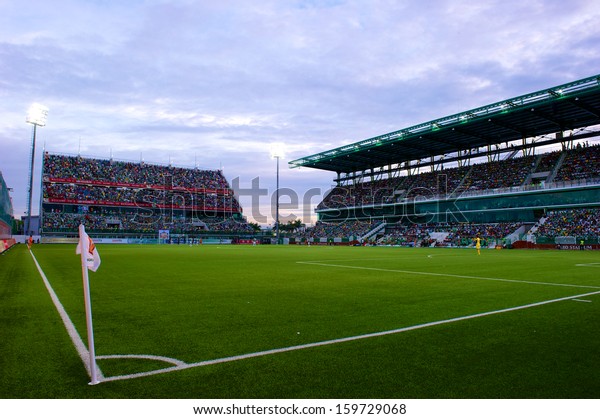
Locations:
(82, 350)
(341, 340)
(483, 278)
(589, 265)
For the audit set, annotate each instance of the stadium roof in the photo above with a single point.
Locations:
(567, 107)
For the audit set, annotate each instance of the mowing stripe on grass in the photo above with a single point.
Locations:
(82, 350)
(340, 340)
(483, 278)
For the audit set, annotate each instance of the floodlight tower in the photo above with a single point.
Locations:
(277, 152)
(36, 116)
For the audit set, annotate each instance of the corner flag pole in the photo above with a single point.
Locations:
(84, 242)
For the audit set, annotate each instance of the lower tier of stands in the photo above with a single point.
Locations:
(447, 234)
(140, 222)
(579, 223)
(583, 224)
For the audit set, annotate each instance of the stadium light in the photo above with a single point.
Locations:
(37, 116)
(277, 152)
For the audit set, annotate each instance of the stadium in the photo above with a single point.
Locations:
(509, 173)
(453, 259)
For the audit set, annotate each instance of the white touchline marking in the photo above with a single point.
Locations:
(340, 340)
(82, 350)
(357, 259)
(582, 301)
(448, 275)
(589, 265)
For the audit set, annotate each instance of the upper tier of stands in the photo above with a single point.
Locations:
(576, 164)
(580, 163)
(71, 168)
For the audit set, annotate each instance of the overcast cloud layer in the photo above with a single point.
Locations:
(213, 83)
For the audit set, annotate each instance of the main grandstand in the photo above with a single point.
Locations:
(137, 200)
(517, 172)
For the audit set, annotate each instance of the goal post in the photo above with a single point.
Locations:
(565, 240)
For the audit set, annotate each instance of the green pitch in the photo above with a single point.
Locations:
(304, 322)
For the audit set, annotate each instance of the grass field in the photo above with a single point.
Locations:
(506, 324)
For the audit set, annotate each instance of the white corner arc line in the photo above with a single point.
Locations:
(342, 340)
(483, 278)
(165, 359)
(82, 350)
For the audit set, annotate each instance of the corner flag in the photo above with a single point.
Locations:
(90, 259)
(87, 249)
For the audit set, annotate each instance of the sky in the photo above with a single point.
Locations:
(214, 84)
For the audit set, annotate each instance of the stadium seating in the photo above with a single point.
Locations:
(548, 161)
(344, 229)
(407, 235)
(135, 222)
(422, 235)
(573, 222)
(82, 169)
(455, 234)
(582, 162)
(578, 163)
(113, 196)
(139, 197)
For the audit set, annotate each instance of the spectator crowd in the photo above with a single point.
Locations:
(110, 195)
(146, 197)
(457, 234)
(117, 172)
(579, 163)
(140, 222)
(343, 229)
(574, 222)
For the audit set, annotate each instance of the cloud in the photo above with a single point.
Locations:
(214, 83)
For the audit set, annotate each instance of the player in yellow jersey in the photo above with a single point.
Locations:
(478, 245)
